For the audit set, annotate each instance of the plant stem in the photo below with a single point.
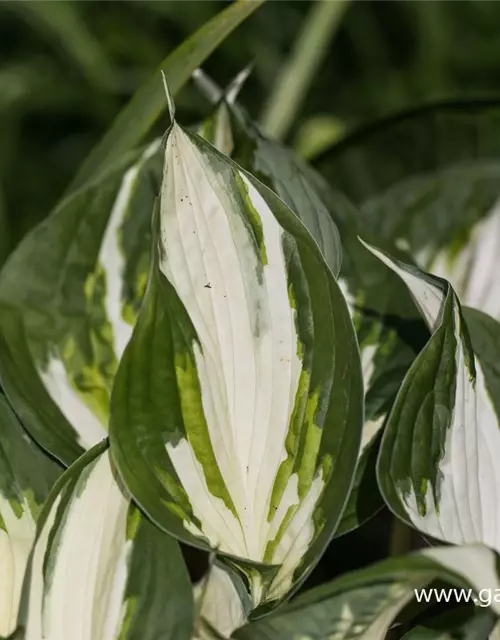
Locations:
(298, 72)
(400, 539)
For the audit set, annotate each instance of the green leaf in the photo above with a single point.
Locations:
(436, 466)
(140, 114)
(362, 605)
(237, 407)
(100, 569)
(435, 168)
(68, 298)
(457, 624)
(495, 635)
(4, 232)
(26, 477)
(311, 46)
(316, 134)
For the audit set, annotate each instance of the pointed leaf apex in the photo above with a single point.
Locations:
(170, 100)
(207, 86)
(237, 83)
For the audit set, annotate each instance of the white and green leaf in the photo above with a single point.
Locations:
(363, 605)
(222, 604)
(432, 168)
(231, 131)
(471, 263)
(27, 475)
(381, 309)
(100, 570)
(61, 343)
(237, 407)
(436, 466)
(390, 334)
(67, 314)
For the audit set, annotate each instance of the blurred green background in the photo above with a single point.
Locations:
(66, 68)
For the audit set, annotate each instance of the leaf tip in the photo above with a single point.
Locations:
(237, 83)
(170, 100)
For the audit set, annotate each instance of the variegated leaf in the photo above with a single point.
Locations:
(237, 407)
(53, 301)
(389, 332)
(100, 570)
(26, 477)
(437, 466)
(432, 168)
(471, 263)
(222, 604)
(67, 313)
(364, 604)
(231, 131)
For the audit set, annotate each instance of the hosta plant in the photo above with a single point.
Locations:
(206, 352)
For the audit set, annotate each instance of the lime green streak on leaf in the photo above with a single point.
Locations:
(129, 314)
(196, 427)
(422, 508)
(291, 443)
(308, 455)
(291, 297)
(326, 467)
(133, 523)
(272, 545)
(319, 515)
(17, 508)
(137, 291)
(90, 362)
(132, 603)
(253, 218)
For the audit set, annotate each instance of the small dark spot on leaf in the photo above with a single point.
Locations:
(208, 285)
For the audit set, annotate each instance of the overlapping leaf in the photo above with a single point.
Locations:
(437, 465)
(232, 132)
(390, 335)
(222, 604)
(26, 477)
(100, 570)
(456, 624)
(67, 313)
(434, 168)
(363, 604)
(237, 405)
(388, 329)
